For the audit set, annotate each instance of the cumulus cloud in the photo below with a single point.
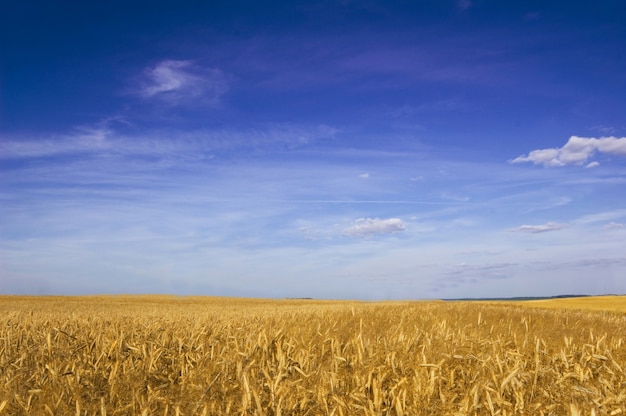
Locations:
(179, 82)
(369, 226)
(536, 229)
(577, 151)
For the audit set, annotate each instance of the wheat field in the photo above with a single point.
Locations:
(159, 355)
(597, 303)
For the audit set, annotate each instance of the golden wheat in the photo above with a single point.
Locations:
(599, 303)
(214, 356)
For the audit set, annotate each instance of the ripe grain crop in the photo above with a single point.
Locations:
(598, 303)
(217, 356)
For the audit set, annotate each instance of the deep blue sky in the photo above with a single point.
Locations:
(337, 149)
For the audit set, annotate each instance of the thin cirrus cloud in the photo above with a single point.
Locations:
(105, 139)
(541, 228)
(82, 140)
(614, 226)
(363, 227)
(577, 151)
(177, 82)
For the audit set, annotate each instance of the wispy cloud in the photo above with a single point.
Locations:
(465, 273)
(370, 226)
(84, 139)
(577, 151)
(104, 139)
(454, 197)
(464, 4)
(542, 228)
(614, 226)
(590, 262)
(492, 271)
(183, 82)
(604, 129)
(601, 216)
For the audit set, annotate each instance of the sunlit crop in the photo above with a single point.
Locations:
(216, 356)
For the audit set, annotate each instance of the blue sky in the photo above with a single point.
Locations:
(332, 149)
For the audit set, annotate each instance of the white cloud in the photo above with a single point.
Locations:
(614, 226)
(83, 139)
(364, 175)
(179, 82)
(103, 139)
(577, 151)
(536, 229)
(601, 217)
(370, 226)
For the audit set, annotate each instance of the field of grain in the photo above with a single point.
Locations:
(597, 303)
(215, 356)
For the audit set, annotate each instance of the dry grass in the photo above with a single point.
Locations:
(214, 356)
(598, 303)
